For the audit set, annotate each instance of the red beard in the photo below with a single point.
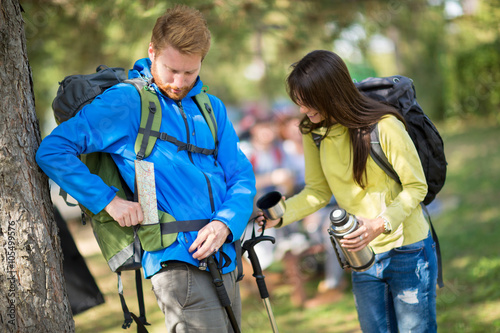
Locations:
(167, 89)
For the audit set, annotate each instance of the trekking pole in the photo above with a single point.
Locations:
(221, 291)
(248, 246)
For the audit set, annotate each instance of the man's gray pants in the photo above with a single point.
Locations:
(187, 297)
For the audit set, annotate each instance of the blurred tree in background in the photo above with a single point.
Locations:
(450, 48)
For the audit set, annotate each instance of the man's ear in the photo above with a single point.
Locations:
(151, 52)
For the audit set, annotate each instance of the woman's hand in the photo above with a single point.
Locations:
(265, 223)
(368, 230)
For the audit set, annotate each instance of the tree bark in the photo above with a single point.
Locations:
(32, 285)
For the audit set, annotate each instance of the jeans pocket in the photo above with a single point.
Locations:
(405, 259)
(410, 248)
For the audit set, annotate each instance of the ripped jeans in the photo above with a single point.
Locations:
(398, 293)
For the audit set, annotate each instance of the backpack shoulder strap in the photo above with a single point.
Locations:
(203, 102)
(317, 139)
(150, 118)
(378, 155)
(130, 317)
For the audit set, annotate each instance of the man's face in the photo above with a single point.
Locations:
(173, 72)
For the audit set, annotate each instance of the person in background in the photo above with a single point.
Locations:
(263, 149)
(398, 293)
(266, 155)
(314, 225)
(191, 186)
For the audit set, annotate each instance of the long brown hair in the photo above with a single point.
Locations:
(321, 81)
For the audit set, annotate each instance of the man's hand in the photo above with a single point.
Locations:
(126, 213)
(210, 238)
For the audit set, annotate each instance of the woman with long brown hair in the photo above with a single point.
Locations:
(398, 293)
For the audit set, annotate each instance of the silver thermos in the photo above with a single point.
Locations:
(342, 224)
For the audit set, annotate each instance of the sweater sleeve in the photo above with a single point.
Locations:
(316, 193)
(403, 156)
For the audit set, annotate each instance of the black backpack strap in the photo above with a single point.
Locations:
(129, 316)
(141, 321)
(239, 264)
(141, 328)
(182, 226)
(317, 139)
(438, 248)
(180, 144)
(378, 155)
(126, 313)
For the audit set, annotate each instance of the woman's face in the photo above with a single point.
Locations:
(314, 116)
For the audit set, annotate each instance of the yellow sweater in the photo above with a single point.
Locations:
(329, 171)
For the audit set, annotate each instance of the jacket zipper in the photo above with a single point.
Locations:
(188, 141)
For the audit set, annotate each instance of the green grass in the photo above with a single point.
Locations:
(470, 245)
(468, 231)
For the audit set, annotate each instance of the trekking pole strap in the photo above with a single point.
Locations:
(239, 264)
(218, 282)
(221, 292)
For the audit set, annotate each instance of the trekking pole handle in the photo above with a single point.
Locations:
(248, 246)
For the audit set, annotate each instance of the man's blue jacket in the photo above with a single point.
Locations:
(187, 184)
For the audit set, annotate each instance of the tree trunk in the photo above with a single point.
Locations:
(32, 288)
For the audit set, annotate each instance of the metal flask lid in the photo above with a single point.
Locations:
(342, 222)
(339, 217)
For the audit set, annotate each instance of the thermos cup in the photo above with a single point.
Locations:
(272, 205)
(342, 224)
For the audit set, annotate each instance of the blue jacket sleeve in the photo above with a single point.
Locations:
(240, 180)
(101, 126)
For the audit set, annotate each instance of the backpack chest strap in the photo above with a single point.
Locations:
(180, 144)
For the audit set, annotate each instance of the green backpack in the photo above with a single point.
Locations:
(122, 247)
(119, 244)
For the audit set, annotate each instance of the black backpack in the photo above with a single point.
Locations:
(399, 92)
(76, 91)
